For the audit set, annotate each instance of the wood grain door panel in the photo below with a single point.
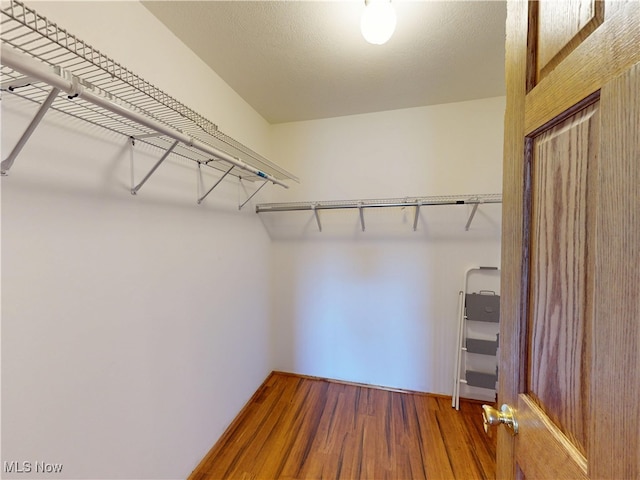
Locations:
(559, 321)
(604, 55)
(562, 26)
(546, 452)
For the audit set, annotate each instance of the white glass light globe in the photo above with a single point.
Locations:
(378, 21)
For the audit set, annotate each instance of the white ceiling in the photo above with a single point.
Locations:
(302, 60)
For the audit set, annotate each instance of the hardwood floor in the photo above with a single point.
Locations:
(304, 428)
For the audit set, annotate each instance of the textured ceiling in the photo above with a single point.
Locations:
(302, 60)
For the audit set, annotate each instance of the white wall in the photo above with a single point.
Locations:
(133, 328)
(380, 306)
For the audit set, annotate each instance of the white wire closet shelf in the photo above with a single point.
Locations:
(361, 205)
(49, 66)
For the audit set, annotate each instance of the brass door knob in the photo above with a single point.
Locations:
(492, 417)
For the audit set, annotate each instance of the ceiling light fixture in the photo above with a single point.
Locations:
(378, 21)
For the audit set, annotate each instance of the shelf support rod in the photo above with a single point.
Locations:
(361, 215)
(131, 156)
(314, 207)
(253, 194)
(473, 212)
(391, 202)
(217, 183)
(135, 189)
(416, 216)
(8, 162)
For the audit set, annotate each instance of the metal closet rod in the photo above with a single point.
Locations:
(414, 202)
(32, 68)
(474, 200)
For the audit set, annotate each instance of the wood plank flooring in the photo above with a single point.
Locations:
(304, 428)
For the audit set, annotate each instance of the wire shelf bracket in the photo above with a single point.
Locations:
(134, 190)
(253, 194)
(473, 213)
(317, 215)
(22, 141)
(416, 217)
(201, 198)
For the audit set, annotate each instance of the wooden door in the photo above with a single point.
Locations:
(570, 312)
